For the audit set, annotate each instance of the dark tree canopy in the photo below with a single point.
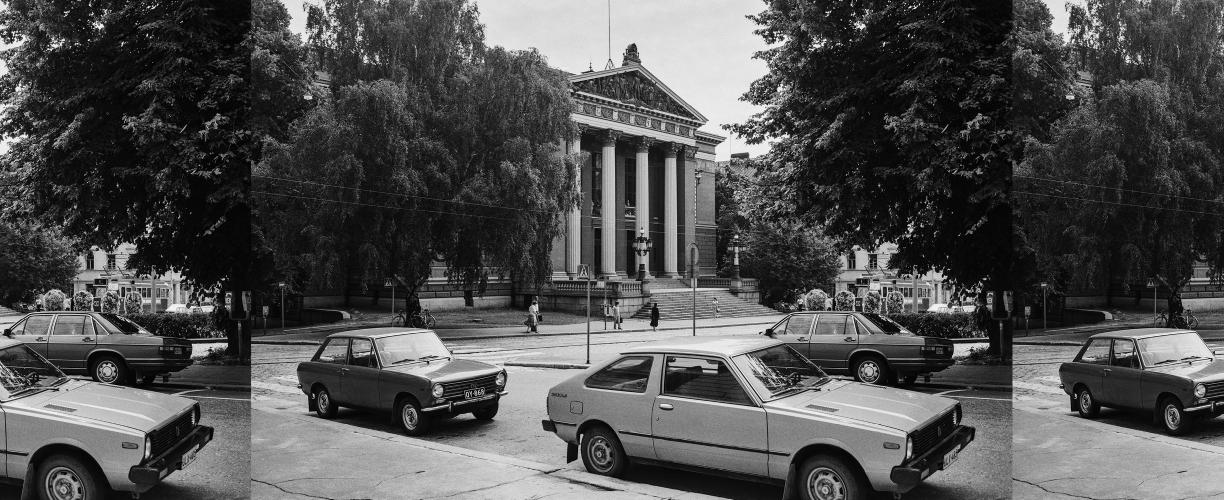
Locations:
(35, 259)
(429, 147)
(892, 121)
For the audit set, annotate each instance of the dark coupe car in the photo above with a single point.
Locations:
(1167, 371)
(871, 347)
(108, 347)
(407, 371)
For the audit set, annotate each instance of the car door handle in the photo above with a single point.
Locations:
(801, 339)
(40, 339)
(86, 339)
(1106, 371)
(665, 406)
(850, 339)
(344, 370)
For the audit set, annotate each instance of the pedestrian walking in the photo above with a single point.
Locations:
(616, 315)
(533, 317)
(716, 311)
(654, 317)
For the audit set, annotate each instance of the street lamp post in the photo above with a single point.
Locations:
(1044, 306)
(282, 307)
(642, 246)
(735, 265)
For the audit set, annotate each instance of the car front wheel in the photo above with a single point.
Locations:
(108, 370)
(1085, 404)
(871, 370)
(830, 478)
(66, 477)
(411, 418)
(1173, 418)
(602, 453)
(325, 407)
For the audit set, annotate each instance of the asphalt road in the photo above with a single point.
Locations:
(222, 469)
(516, 431)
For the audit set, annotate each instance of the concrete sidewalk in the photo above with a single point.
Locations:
(1058, 455)
(375, 464)
(197, 376)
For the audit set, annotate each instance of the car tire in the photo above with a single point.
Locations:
(410, 417)
(486, 412)
(907, 380)
(1173, 417)
(872, 370)
(109, 369)
(148, 378)
(603, 454)
(69, 477)
(325, 406)
(825, 476)
(1086, 404)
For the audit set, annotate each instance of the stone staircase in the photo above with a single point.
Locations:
(669, 284)
(678, 304)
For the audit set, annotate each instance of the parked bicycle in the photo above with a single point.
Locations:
(1186, 319)
(398, 319)
(1161, 319)
(423, 319)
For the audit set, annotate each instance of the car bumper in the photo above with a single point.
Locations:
(157, 468)
(908, 475)
(927, 365)
(1213, 407)
(160, 365)
(450, 406)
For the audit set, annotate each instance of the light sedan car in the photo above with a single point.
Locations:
(75, 439)
(1167, 371)
(756, 408)
(409, 372)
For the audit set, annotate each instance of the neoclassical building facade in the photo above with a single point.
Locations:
(645, 168)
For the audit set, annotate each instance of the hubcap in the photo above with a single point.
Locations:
(324, 401)
(869, 372)
(824, 484)
(63, 484)
(1085, 402)
(410, 417)
(601, 454)
(1172, 417)
(108, 371)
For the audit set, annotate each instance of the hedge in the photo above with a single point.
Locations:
(183, 326)
(947, 326)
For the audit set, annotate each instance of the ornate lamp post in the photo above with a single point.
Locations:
(736, 247)
(282, 307)
(1044, 306)
(642, 246)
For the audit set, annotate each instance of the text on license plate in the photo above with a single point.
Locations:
(473, 393)
(950, 457)
(188, 458)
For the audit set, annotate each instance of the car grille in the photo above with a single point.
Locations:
(454, 390)
(928, 437)
(170, 434)
(1215, 390)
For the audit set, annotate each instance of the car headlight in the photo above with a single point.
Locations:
(1200, 390)
(501, 379)
(909, 447)
(148, 447)
(437, 390)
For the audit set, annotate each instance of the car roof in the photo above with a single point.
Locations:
(386, 331)
(1139, 333)
(717, 346)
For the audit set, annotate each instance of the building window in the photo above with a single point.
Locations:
(850, 263)
(89, 261)
(873, 261)
(110, 261)
(145, 292)
(163, 293)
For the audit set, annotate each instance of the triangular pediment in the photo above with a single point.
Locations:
(634, 85)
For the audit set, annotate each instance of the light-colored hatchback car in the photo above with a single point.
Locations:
(753, 408)
(75, 439)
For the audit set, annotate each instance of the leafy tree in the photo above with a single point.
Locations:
(110, 302)
(872, 302)
(892, 125)
(895, 303)
(787, 259)
(53, 300)
(133, 303)
(844, 301)
(127, 120)
(815, 300)
(731, 219)
(33, 258)
(431, 146)
(82, 301)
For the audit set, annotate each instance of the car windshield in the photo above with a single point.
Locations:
(23, 371)
(1166, 349)
(401, 349)
(122, 324)
(779, 369)
(883, 324)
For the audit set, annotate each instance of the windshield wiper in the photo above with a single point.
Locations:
(405, 360)
(1195, 357)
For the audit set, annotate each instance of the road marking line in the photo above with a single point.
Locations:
(180, 393)
(950, 390)
(215, 397)
(977, 397)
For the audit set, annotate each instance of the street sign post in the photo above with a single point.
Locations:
(389, 282)
(694, 257)
(584, 273)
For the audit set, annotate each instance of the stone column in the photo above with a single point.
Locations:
(608, 206)
(670, 228)
(573, 229)
(643, 197)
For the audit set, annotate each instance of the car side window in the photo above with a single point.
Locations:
(17, 328)
(1096, 353)
(702, 378)
(800, 324)
(629, 374)
(363, 354)
(335, 351)
(830, 324)
(1124, 354)
(67, 324)
(37, 325)
(92, 327)
(852, 329)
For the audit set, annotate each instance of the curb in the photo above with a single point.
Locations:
(219, 387)
(445, 337)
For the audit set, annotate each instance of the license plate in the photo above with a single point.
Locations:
(473, 393)
(188, 458)
(950, 457)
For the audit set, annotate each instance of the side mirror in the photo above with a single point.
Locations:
(769, 332)
(8, 332)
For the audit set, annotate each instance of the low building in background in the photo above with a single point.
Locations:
(866, 270)
(102, 271)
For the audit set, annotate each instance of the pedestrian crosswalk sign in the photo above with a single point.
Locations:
(584, 272)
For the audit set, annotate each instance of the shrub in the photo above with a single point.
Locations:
(184, 326)
(871, 304)
(53, 300)
(948, 326)
(132, 303)
(82, 301)
(110, 302)
(844, 301)
(815, 300)
(895, 303)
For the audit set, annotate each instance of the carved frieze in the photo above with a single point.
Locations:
(690, 152)
(633, 88)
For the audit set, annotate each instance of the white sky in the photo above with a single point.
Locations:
(701, 49)
(1059, 9)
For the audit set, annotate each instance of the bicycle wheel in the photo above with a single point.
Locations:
(418, 322)
(430, 322)
(398, 320)
(1192, 322)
